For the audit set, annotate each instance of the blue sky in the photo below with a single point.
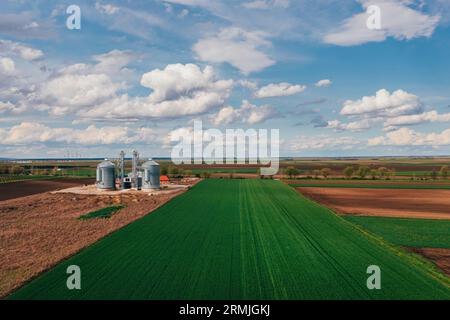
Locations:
(138, 70)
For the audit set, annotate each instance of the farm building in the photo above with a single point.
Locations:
(164, 179)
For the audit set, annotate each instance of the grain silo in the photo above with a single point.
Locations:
(151, 175)
(106, 175)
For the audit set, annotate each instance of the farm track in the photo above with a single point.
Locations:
(240, 239)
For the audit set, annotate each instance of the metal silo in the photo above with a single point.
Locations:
(151, 175)
(106, 175)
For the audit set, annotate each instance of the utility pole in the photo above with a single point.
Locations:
(122, 169)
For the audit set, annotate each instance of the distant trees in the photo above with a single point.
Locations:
(348, 172)
(363, 171)
(434, 174)
(374, 174)
(316, 174)
(164, 170)
(326, 172)
(444, 172)
(16, 169)
(292, 172)
(205, 175)
(173, 170)
(383, 172)
(4, 168)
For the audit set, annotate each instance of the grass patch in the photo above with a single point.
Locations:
(239, 239)
(102, 213)
(421, 233)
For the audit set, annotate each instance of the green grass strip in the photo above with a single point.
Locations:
(421, 233)
(102, 213)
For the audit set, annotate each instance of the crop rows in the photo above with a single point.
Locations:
(239, 239)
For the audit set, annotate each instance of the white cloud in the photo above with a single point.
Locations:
(266, 4)
(360, 125)
(33, 132)
(17, 49)
(106, 8)
(10, 108)
(178, 80)
(431, 116)
(69, 92)
(7, 66)
(398, 20)
(384, 104)
(113, 61)
(178, 90)
(235, 46)
(323, 83)
(248, 84)
(279, 90)
(248, 113)
(409, 137)
(322, 142)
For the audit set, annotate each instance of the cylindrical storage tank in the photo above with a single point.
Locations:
(151, 175)
(106, 175)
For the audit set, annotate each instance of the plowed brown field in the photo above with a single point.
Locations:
(26, 188)
(411, 203)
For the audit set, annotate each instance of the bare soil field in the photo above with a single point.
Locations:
(402, 203)
(441, 257)
(368, 182)
(38, 231)
(26, 188)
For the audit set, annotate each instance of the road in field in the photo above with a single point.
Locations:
(19, 189)
(239, 239)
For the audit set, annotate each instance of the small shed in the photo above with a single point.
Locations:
(164, 179)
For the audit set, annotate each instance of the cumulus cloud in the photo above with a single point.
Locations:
(8, 47)
(10, 108)
(248, 113)
(322, 142)
(178, 80)
(236, 46)
(323, 83)
(384, 104)
(363, 124)
(70, 92)
(113, 61)
(7, 67)
(394, 110)
(33, 132)
(409, 137)
(398, 20)
(431, 116)
(178, 90)
(279, 90)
